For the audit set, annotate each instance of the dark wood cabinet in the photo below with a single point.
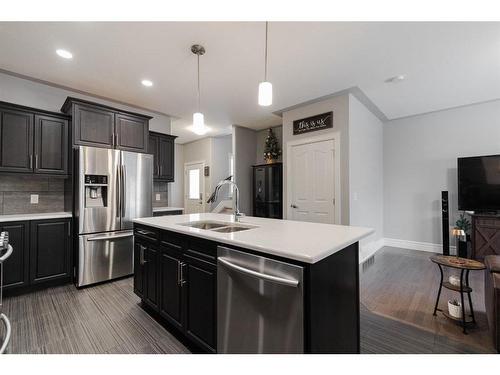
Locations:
(485, 235)
(51, 145)
(16, 269)
(162, 147)
(186, 283)
(103, 126)
(93, 126)
(200, 303)
(42, 254)
(50, 250)
(33, 141)
(268, 191)
(16, 140)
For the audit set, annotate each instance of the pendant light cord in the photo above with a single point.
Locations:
(198, 56)
(265, 58)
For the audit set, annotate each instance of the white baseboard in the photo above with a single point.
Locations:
(415, 245)
(369, 249)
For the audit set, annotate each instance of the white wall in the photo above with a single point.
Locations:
(366, 194)
(420, 157)
(38, 95)
(340, 107)
(261, 136)
(198, 151)
(244, 146)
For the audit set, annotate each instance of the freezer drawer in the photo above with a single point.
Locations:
(259, 304)
(105, 256)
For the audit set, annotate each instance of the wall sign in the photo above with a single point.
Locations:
(313, 123)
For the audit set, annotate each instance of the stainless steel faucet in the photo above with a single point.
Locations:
(213, 197)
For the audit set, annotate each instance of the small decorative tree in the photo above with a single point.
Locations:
(272, 149)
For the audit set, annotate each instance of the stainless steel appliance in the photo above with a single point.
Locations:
(260, 304)
(113, 187)
(5, 252)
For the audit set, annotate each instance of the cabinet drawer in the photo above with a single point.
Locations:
(488, 222)
(146, 233)
(203, 250)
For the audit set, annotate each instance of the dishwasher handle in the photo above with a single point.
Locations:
(259, 275)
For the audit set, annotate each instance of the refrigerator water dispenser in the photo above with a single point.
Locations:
(96, 191)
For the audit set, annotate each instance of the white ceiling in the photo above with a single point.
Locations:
(446, 65)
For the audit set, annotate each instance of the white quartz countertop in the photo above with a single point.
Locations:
(24, 217)
(297, 240)
(165, 209)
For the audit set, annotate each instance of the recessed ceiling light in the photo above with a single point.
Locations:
(147, 82)
(64, 54)
(395, 79)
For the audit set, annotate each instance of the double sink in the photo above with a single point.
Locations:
(218, 226)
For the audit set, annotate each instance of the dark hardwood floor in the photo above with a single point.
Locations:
(398, 289)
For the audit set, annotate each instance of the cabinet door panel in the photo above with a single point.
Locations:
(50, 250)
(16, 141)
(170, 288)
(93, 126)
(201, 299)
(132, 133)
(166, 158)
(151, 276)
(16, 268)
(153, 149)
(138, 268)
(51, 145)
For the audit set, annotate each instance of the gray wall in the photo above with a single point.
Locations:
(366, 183)
(261, 136)
(176, 188)
(38, 95)
(15, 194)
(244, 146)
(222, 147)
(340, 107)
(420, 156)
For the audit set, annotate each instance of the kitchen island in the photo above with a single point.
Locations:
(253, 286)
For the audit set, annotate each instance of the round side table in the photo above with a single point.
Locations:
(465, 266)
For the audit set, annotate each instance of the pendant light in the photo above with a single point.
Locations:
(198, 118)
(265, 87)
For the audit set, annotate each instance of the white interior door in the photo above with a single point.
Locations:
(313, 182)
(194, 186)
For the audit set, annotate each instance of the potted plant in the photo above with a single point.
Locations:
(463, 223)
(455, 309)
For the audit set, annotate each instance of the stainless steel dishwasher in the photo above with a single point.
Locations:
(260, 306)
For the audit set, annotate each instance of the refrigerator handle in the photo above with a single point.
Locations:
(123, 190)
(118, 193)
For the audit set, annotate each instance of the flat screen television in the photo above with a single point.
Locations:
(479, 183)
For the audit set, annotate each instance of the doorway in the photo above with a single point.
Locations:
(311, 181)
(194, 187)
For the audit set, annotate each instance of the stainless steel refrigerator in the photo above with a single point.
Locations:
(112, 188)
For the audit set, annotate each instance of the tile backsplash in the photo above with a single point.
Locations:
(162, 189)
(15, 194)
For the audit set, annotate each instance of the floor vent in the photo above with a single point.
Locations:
(367, 263)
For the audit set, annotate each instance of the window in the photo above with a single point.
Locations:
(194, 184)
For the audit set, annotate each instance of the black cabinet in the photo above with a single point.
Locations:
(268, 191)
(33, 141)
(51, 145)
(50, 250)
(42, 254)
(179, 281)
(103, 126)
(16, 140)
(161, 146)
(200, 303)
(16, 268)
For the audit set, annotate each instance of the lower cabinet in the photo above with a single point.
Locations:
(180, 284)
(42, 253)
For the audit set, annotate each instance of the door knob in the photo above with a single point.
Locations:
(293, 206)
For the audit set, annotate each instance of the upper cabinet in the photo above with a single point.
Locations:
(162, 148)
(33, 141)
(102, 126)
